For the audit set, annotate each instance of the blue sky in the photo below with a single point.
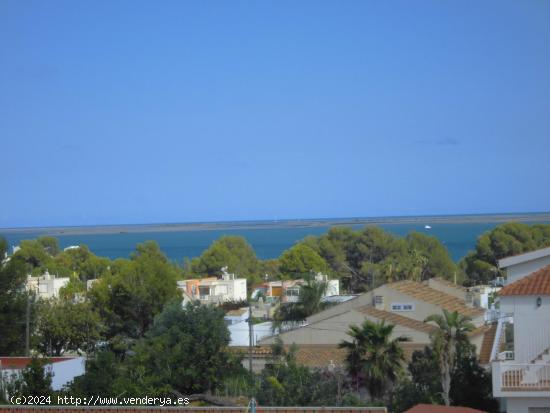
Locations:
(180, 111)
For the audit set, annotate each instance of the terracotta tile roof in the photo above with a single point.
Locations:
(450, 284)
(432, 408)
(537, 283)
(256, 350)
(394, 318)
(424, 293)
(18, 363)
(319, 355)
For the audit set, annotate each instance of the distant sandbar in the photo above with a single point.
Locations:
(291, 223)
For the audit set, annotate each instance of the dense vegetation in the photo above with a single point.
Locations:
(140, 341)
(481, 265)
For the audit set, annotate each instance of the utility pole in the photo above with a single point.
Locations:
(250, 337)
(27, 327)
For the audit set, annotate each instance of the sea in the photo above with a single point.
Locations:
(458, 238)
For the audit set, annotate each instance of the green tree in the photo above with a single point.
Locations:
(50, 245)
(369, 257)
(451, 331)
(481, 265)
(133, 292)
(34, 380)
(232, 252)
(13, 304)
(271, 268)
(373, 357)
(81, 262)
(35, 256)
(438, 262)
(309, 302)
(471, 384)
(186, 351)
(66, 326)
(301, 260)
(103, 369)
(423, 384)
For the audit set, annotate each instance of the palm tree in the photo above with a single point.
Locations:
(309, 303)
(452, 329)
(373, 356)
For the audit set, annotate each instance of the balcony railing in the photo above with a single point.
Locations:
(523, 377)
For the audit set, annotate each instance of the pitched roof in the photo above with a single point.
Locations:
(537, 283)
(433, 408)
(449, 284)
(319, 355)
(528, 256)
(322, 355)
(394, 318)
(430, 295)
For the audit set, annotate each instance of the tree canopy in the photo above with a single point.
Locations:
(13, 303)
(373, 358)
(134, 291)
(481, 265)
(232, 252)
(185, 350)
(64, 325)
(301, 260)
(367, 258)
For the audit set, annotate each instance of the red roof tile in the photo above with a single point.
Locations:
(18, 363)
(537, 283)
(433, 408)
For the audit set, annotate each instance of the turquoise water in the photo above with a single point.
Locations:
(267, 242)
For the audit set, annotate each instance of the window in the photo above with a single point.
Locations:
(402, 306)
(204, 292)
(292, 292)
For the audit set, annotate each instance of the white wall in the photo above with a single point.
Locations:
(518, 271)
(240, 333)
(530, 322)
(63, 371)
(522, 404)
(66, 371)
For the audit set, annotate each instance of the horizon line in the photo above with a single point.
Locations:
(282, 220)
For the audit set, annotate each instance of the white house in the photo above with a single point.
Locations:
(213, 290)
(288, 291)
(521, 367)
(405, 304)
(521, 265)
(46, 285)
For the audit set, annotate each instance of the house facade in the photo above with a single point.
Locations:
(46, 285)
(405, 304)
(288, 291)
(521, 351)
(521, 265)
(213, 290)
